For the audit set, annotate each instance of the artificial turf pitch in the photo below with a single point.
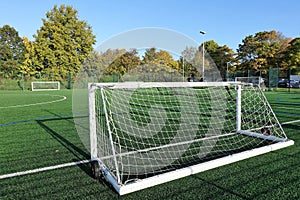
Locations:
(42, 135)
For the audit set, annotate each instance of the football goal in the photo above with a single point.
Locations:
(45, 85)
(144, 134)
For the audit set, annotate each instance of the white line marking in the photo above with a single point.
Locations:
(71, 164)
(290, 122)
(43, 169)
(41, 103)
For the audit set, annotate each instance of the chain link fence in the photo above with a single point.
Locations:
(274, 79)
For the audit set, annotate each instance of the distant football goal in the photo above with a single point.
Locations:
(255, 80)
(145, 134)
(45, 85)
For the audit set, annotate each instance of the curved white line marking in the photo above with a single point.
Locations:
(41, 103)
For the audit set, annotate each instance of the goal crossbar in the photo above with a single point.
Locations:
(164, 84)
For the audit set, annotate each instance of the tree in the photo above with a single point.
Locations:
(160, 59)
(92, 65)
(292, 56)
(63, 42)
(215, 60)
(123, 63)
(11, 51)
(221, 56)
(192, 59)
(26, 67)
(261, 51)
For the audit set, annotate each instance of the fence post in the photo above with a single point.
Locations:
(289, 79)
(69, 80)
(23, 82)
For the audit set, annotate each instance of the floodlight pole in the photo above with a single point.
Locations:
(203, 33)
(227, 74)
(182, 69)
(227, 71)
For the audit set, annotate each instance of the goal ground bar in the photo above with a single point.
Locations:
(180, 173)
(262, 136)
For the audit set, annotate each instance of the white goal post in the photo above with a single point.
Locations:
(147, 133)
(45, 85)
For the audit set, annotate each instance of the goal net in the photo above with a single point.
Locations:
(45, 85)
(144, 134)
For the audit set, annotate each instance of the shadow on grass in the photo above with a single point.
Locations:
(71, 147)
(78, 152)
(274, 176)
(292, 126)
(227, 190)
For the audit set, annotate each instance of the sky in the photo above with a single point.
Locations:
(227, 22)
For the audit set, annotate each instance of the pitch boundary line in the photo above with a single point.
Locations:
(32, 171)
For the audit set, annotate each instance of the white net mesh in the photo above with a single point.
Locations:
(153, 128)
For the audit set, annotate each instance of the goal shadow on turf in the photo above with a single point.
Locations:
(78, 152)
(265, 173)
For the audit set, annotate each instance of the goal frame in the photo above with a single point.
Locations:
(46, 82)
(140, 184)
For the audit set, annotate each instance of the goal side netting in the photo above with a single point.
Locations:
(144, 134)
(45, 85)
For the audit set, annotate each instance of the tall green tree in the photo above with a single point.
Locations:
(261, 51)
(12, 51)
(63, 42)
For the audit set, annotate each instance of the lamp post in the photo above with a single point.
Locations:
(227, 71)
(182, 69)
(203, 33)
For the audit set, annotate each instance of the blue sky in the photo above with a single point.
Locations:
(227, 22)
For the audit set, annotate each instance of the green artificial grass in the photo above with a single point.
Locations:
(44, 135)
